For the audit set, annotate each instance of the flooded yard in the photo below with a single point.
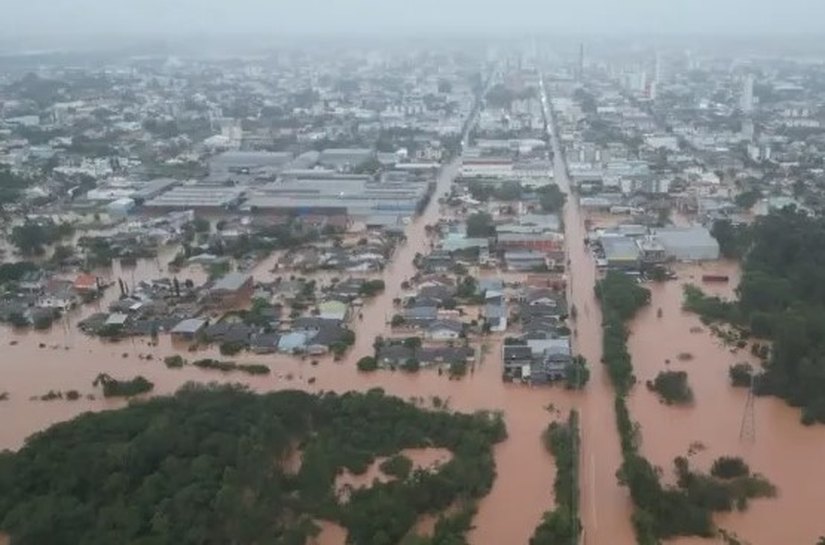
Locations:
(524, 469)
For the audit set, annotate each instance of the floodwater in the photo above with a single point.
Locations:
(788, 454)
(525, 470)
(606, 508)
(422, 458)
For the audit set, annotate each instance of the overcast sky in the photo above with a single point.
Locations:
(79, 17)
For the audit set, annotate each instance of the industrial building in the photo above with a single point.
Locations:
(196, 197)
(693, 243)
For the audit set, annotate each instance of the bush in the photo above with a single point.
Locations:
(254, 368)
(72, 395)
(672, 387)
(174, 362)
(371, 288)
(729, 467)
(123, 388)
(367, 364)
(231, 348)
(741, 374)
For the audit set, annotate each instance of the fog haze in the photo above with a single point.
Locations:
(84, 17)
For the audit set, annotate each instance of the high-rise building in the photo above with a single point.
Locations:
(580, 67)
(746, 99)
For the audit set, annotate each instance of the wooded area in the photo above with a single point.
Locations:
(201, 468)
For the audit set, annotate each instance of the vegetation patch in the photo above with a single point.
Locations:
(197, 468)
(562, 524)
(672, 387)
(780, 298)
(122, 388)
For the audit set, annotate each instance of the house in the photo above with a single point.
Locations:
(58, 294)
(420, 316)
(232, 290)
(116, 319)
(264, 343)
(550, 303)
(486, 285)
(515, 357)
(32, 281)
(395, 355)
(442, 294)
(333, 310)
(525, 260)
(189, 328)
(495, 315)
(86, 283)
(436, 280)
(228, 332)
(444, 330)
(293, 342)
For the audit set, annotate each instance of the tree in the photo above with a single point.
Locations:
(31, 237)
(480, 224)
(397, 320)
(367, 364)
(741, 374)
(412, 343)
(551, 198)
(398, 466)
(576, 373)
(672, 386)
(729, 467)
(734, 240)
(411, 365)
(747, 199)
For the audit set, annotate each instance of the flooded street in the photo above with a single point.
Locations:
(524, 469)
(788, 454)
(606, 508)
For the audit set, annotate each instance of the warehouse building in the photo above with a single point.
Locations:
(693, 243)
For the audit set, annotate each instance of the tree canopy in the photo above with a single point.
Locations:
(197, 468)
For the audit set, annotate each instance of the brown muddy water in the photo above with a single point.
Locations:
(788, 454)
(521, 493)
(422, 458)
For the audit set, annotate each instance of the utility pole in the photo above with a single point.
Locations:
(747, 430)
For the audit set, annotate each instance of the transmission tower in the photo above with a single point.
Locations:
(747, 430)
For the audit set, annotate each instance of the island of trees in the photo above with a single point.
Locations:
(201, 467)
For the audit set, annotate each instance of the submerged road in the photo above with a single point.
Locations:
(606, 509)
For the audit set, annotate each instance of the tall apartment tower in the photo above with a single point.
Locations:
(580, 66)
(746, 99)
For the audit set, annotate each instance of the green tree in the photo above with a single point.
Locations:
(576, 373)
(480, 224)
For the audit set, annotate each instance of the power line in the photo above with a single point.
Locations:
(747, 430)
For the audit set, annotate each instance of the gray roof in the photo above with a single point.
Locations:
(619, 248)
(421, 312)
(189, 326)
(194, 196)
(231, 282)
(452, 325)
(495, 311)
